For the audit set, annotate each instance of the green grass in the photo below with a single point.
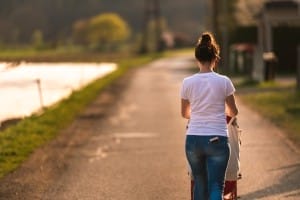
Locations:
(279, 103)
(19, 141)
(59, 55)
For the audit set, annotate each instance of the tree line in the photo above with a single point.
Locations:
(59, 22)
(54, 18)
(20, 19)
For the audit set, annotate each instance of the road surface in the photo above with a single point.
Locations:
(129, 145)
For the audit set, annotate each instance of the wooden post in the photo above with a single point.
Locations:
(38, 82)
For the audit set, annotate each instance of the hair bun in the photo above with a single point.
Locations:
(205, 39)
(207, 49)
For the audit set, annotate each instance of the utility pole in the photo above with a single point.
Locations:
(151, 9)
(220, 29)
(157, 18)
(144, 45)
(225, 42)
(215, 17)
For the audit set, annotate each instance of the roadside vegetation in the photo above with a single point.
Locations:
(278, 102)
(66, 54)
(19, 141)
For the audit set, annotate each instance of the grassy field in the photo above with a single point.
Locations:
(278, 102)
(17, 142)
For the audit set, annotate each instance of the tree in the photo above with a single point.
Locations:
(106, 31)
(246, 11)
(37, 39)
(80, 31)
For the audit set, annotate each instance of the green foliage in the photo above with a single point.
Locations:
(63, 54)
(107, 30)
(102, 32)
(80, 31)
(280, 104)
(37, 39)
(155, 30)
(56, 18)
(108, 27)
(19, 18)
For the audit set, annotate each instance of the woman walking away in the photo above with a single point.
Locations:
(204, 97)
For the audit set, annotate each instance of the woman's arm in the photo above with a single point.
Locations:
(185, 109)
(231, 109)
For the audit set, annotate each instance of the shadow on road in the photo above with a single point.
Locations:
(288, 186)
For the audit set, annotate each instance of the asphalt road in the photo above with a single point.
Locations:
(137, 151)
(129, 145)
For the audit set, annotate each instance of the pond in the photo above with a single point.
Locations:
(27, 87)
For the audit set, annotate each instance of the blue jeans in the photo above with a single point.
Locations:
(208, 161)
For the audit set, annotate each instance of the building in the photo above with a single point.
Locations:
(278, 25)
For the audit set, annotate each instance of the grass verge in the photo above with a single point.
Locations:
(19, 141)
(277, 102)
(63, 55)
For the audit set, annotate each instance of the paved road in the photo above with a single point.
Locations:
(129, 146)
(137, 152)
(270, 163)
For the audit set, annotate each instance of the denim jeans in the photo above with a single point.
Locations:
(208, 161)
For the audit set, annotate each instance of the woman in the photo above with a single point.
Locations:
(204, 97)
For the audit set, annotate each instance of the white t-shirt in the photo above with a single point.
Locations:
(206, 93)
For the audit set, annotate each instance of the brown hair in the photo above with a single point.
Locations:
(207, 48)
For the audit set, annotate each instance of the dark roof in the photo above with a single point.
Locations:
(281, 4)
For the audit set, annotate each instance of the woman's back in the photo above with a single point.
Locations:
(206, 93)
(203, 99)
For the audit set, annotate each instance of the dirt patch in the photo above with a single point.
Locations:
(9, 122)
